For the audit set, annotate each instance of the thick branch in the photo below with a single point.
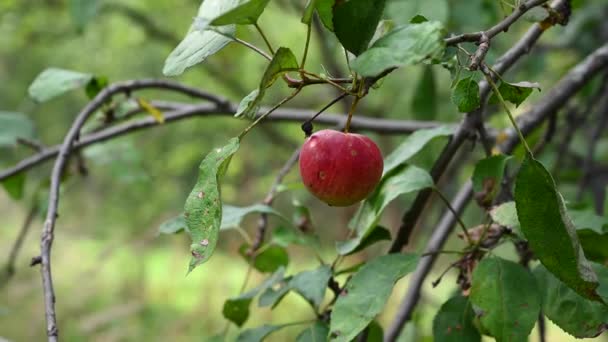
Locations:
(181, 112)
(550, 104)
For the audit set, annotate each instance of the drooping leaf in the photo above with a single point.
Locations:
(573, 313)
(355, 22)
(550, 233)
(268, 259)
(454, 322)
(311, 285)
(413, 144)
(246, 13)
(203, 208)
(150, 109)
(405, 45)
(14, 126)
(401, 181)
(466, 95)
(201, 43)
(508, 296)
(258, 334)
(317, 332)
(173, 225)
(233, 216)
(366, 294)
(53, 82)
(83, 11)
(15, 185)
(487, 177)
(424, 103)
(237, 309)
(516, 93)
(325, 9)
(283, 61)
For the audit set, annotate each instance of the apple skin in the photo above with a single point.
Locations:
(339, 168)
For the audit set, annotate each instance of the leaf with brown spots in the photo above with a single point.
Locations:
(454, 322)
(203, 209)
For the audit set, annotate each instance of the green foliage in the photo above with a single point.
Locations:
(550, 232)
(54, 82)
(454, 322)
(406, 45)
(366, 294)
(515, 93)
(325, 9)
(15, 185)
(355, 22)
(203, 209)
(401, 11)
(83, 11)
(258, 334)
(173, 225)
(412, 145)
(268, 259)
(282, 62)
(233, 216)
(311, 285)
(424, 103)
(487, 177)
(201, 43)
(575, 314)
(508, 297)
(400, 181)
(244, 14)
(466, 95)
(14, 126)
(505, 214)
(317, 332)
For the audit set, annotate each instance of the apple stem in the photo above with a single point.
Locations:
(350, 114)
(307, 125)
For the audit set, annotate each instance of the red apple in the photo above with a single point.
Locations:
(340, 168)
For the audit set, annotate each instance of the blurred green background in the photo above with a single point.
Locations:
(115, 279)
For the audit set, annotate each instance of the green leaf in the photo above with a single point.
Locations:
(309, 10)
(53, 82)
(508, 296)
(311, 285)
(173, 225)
(355, 22)
(417, 19)
(548, 229)
(516, 93)
(466, 95)
(424, 103)
(284, 237)
(13, 126)
(413, 144)
(406, 45)
(233, 216)
(83, 11)
(375, 234)
(592, 231)
(237, 309)
(283, 61)
(505, 215)
(573, 313)
(203, 208)
(375, 332)
(15, 185)
(244, 14)
(366, 294)
(487, 177)
(201, 43)
(258, 334)
(401, 181)
(454, 322)
(95, 85)
(315, 333)
(249, 105)
(270, 258)
(325, 9)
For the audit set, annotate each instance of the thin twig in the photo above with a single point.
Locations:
(187, 111)
(12, 259)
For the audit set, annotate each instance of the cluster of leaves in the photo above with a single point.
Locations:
(505, 298)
